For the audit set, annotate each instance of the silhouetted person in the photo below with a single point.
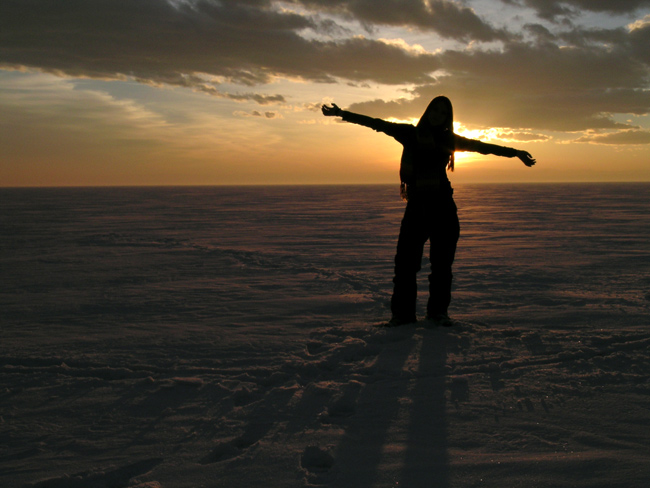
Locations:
(430, 210)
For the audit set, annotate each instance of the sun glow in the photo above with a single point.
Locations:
(461, 130)
(481, 134)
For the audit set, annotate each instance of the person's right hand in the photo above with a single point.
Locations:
(526, 158)
(334, 110)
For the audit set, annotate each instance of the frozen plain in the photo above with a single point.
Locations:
(188, 337)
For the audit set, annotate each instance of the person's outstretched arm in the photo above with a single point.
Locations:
(464, 144)
(398, 131)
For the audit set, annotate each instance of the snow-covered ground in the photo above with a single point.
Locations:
(224, 337)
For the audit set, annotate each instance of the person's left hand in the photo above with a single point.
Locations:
(527, 159)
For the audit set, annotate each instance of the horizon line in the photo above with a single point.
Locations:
(252, 185)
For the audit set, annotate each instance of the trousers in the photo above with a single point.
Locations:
(434, 218)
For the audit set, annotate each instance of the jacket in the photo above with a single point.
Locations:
(423, 164)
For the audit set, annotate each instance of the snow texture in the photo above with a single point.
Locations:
(213, 337)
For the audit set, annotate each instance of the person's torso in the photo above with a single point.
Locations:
(426, 165)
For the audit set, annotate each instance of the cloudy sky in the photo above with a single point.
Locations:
(126, 92)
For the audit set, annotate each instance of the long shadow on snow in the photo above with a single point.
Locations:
(363, 458)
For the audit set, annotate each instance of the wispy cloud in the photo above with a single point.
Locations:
(627, 137)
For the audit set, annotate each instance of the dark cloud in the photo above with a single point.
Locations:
(540, 86)
(639, 41)
(493, 105)
(159, 42)
(540, 33)
(149, 39)
(587, 37)
(449, 19)
(552, 9)
(254, 113)
(268, 115)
